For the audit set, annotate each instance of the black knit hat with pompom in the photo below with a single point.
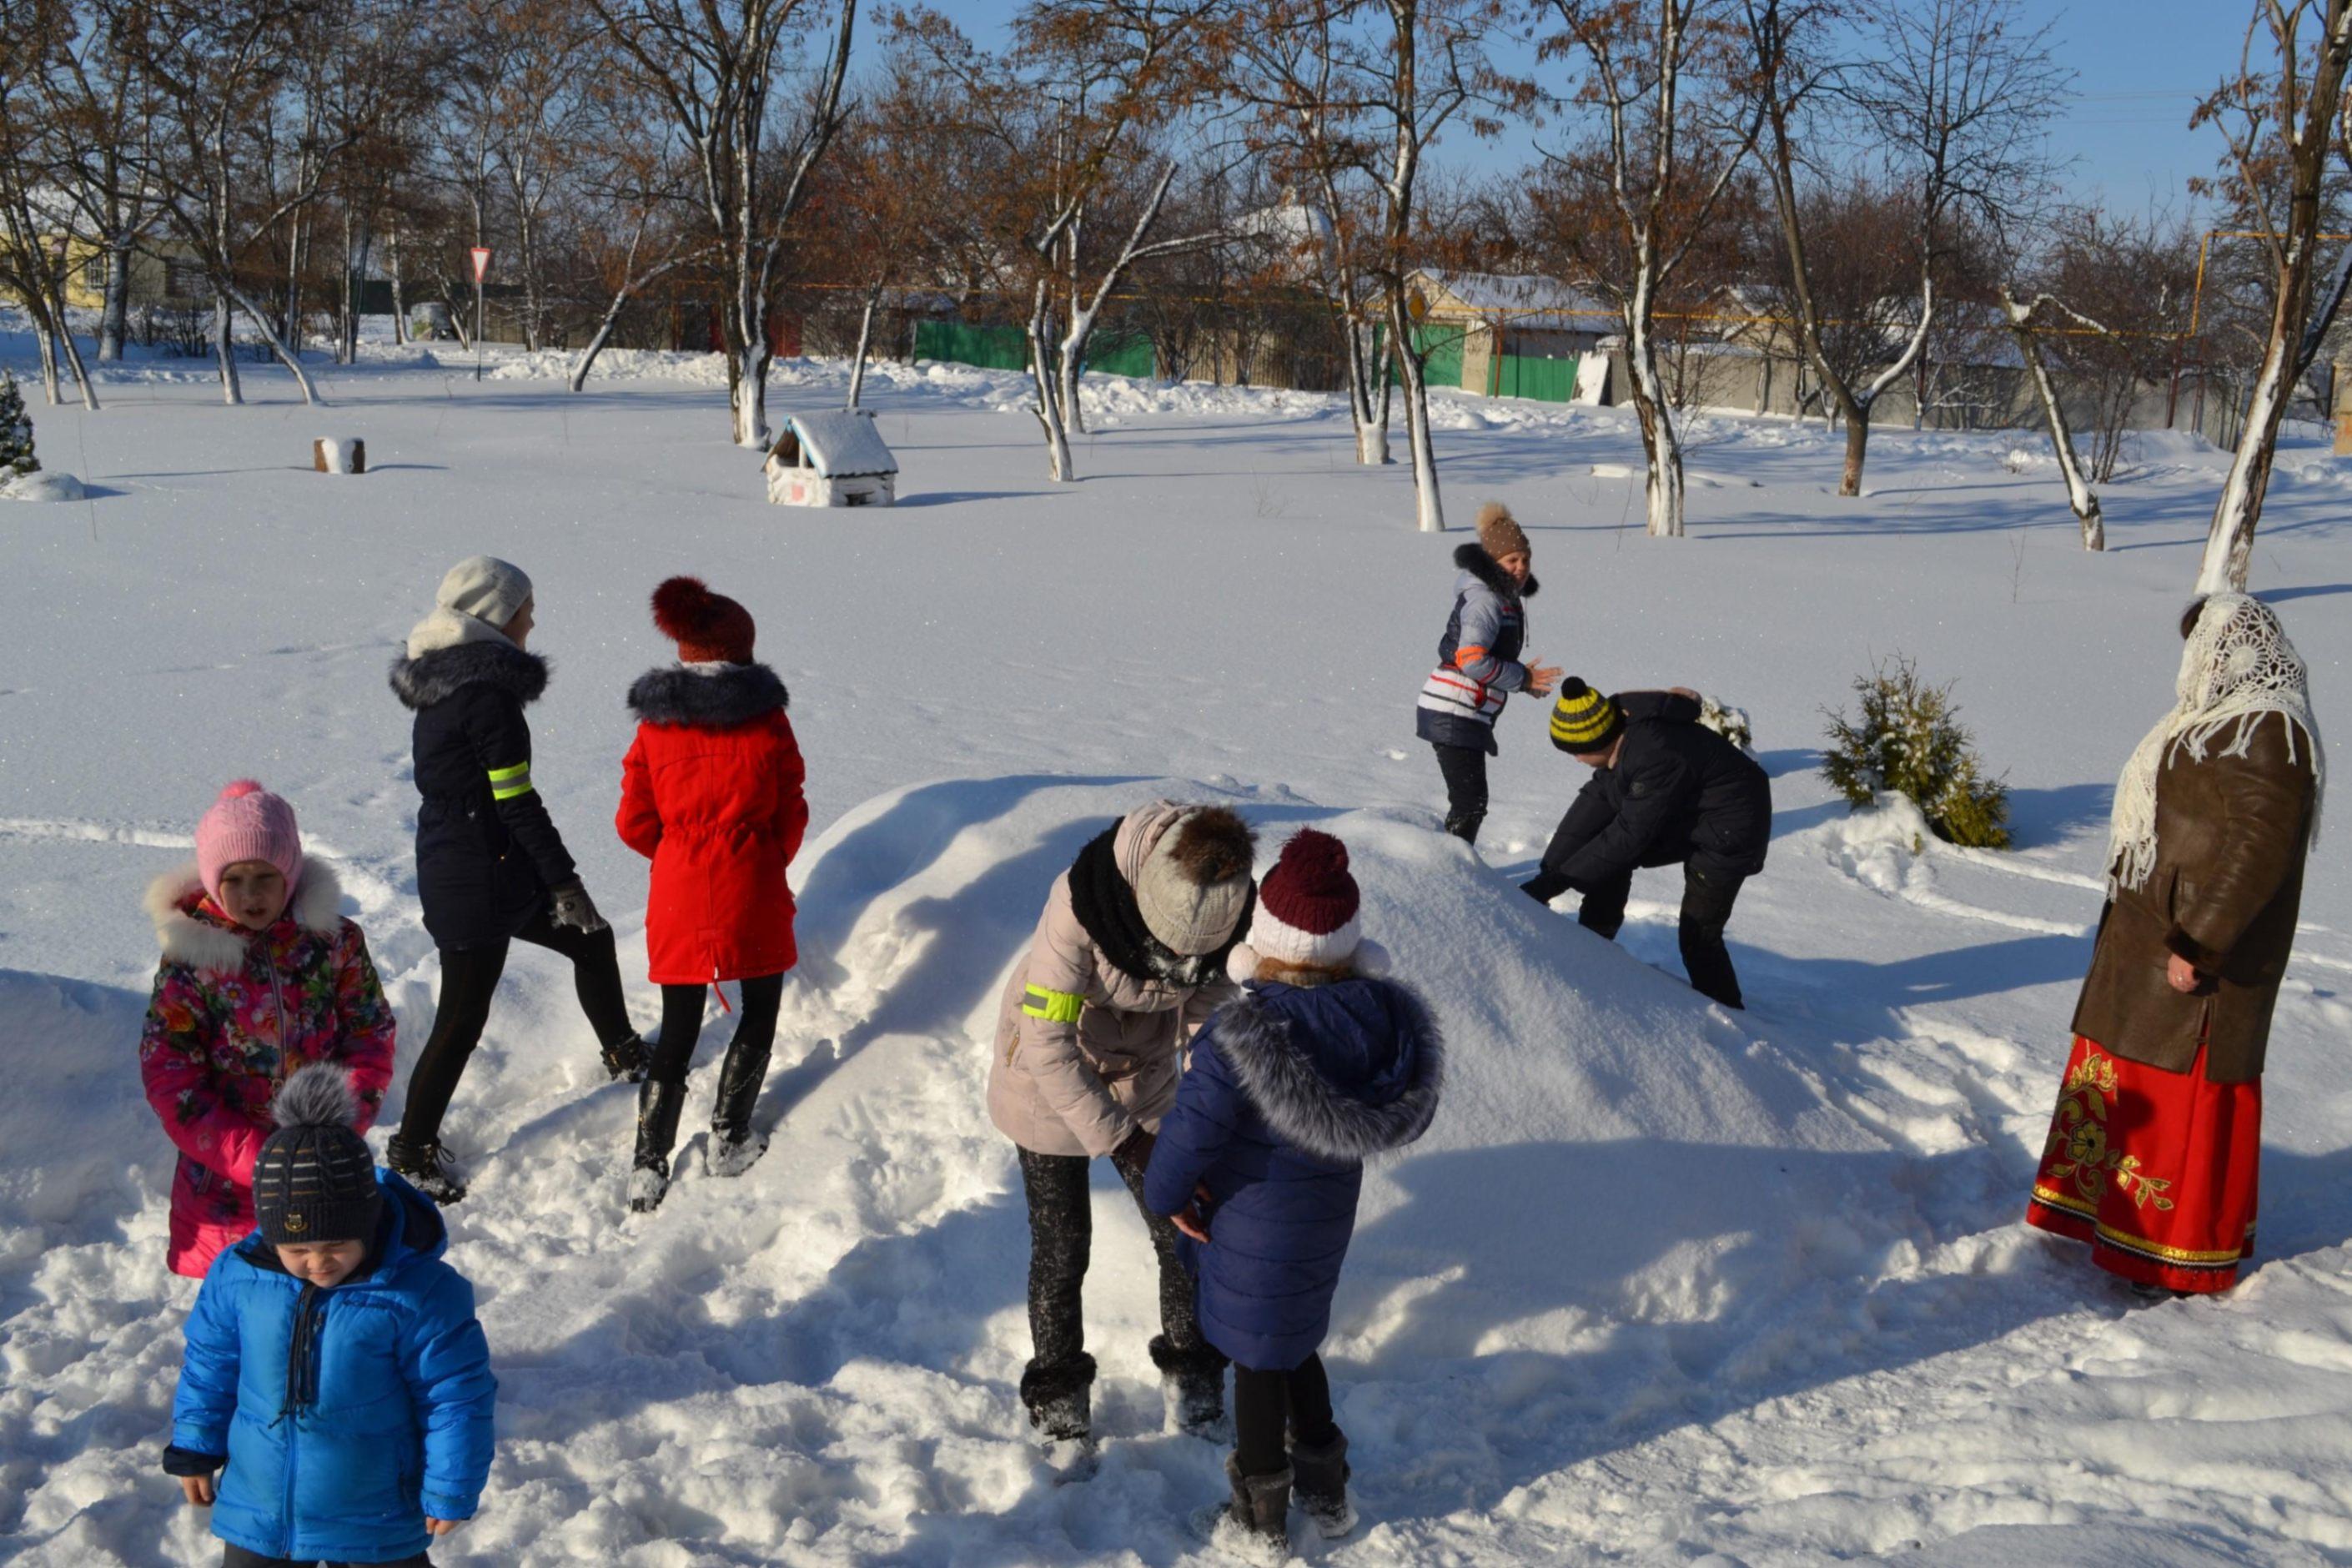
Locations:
(315, 1180)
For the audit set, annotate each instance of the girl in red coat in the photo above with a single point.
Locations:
(711, 792)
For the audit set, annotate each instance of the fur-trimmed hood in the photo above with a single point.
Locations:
(710, 697)
(1473, 558)
(1362, 1077)
(212, 943)
(440, 674)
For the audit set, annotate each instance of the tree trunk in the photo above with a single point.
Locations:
(1048, 409)
(73, 357)
(603, 335)
(45, 338)
(225, 350)
(2079, 497)
(1429, 510)
(114, 315)
(865, 342)
(747, 392)
(1660, 445)
(2229, 546)
(1857, 451)
(286, 356)
(399, 292)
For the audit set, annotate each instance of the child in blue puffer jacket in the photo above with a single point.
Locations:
(333, 1362)
(1316, 1069)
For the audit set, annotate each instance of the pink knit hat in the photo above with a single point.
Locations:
(248, 823)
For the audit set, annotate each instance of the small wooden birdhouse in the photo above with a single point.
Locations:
(834, 459)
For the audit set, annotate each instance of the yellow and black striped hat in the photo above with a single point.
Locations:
(1583, 720)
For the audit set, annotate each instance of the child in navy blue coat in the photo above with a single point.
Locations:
(333, 1363)
(1315, 1070)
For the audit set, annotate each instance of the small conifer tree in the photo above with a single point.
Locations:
(15, 432)
(1908, 739)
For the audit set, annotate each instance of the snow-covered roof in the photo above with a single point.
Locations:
(1526, 300)
(844, 444)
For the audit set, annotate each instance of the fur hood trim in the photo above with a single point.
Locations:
(705, 698)
(1473, 558)
(187, 938)
(442, 673)
(1303, 1107)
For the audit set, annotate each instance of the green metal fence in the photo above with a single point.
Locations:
(1545, 380)
(1007, 348)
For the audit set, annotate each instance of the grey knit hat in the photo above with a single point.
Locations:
(315, 1180)
(1195, 882)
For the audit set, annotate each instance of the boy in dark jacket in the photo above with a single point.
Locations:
(1313, 1070)
(1664, 791)
(333, 1364)
(491, 869)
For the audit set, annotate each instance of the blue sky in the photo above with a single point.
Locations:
(2140, 67)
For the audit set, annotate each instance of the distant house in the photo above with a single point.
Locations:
(163, 270)
(834, 459)
(1502, 335)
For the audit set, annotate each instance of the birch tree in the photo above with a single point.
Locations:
(720, 70)
(2026, 323)
(1631, 202)
(2283, 117)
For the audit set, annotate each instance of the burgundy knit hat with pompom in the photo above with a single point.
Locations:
(709, 629)
(1307, 905)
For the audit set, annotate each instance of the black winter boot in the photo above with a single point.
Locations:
(626, 1060)
(658, 1107)
(1060, 1399)
(1258, 1519)
(735, 1145)
(427, 1167)
(1321, 1483)
(1193, 1384)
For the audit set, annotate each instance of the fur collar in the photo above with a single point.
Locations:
(1473, 558)
(716, 699)
(442, 673)
(1305, 1108)
(203, 941)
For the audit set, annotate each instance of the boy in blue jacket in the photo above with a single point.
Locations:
(333, 1362)
(1316, 1069)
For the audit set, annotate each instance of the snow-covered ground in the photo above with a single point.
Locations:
(1665, 1285)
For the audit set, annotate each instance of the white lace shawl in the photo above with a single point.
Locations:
(2238, 667)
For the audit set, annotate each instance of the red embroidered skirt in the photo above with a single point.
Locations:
(2156, 1170)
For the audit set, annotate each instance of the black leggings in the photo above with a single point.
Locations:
(468, 977)
(1266, 1402)
(681, 1024)
(1464, 768)
(1061, 1242)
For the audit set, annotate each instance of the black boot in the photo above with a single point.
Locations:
(1193, 1383)
(658, 1107)
(1260, 1510)
(735, 1144)
(1321, 1483)
(1060, 1399)
(626, 1060)
(427, 1167)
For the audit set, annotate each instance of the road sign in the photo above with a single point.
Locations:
(482, 261)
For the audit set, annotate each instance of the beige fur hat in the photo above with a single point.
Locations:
(1499, 533)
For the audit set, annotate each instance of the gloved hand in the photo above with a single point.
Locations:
(572, 907)
(1135, 1153)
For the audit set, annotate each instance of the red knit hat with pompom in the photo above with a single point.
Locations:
(709, 629)
(1307, 905)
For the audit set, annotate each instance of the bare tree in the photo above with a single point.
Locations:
(643, 222)
(2026, 321)
(2282, 117)
(35, 237)
(217, 70)
(1065, 123)
(99, 111)
(1955, 100)
(1626, 208)
(717, 69)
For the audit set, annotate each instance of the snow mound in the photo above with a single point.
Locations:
(48, 485)
(818, 1360)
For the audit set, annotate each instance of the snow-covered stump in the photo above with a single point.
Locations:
(339, 455)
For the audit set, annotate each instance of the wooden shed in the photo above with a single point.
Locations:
(834, 459)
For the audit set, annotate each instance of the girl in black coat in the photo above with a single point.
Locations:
(490, 867)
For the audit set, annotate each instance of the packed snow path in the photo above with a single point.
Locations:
(1664, 1285)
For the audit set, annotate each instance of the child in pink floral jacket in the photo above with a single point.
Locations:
(260, 975)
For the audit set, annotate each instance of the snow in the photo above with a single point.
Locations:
(1665, 1285)
(843, 444)
(44, 485)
